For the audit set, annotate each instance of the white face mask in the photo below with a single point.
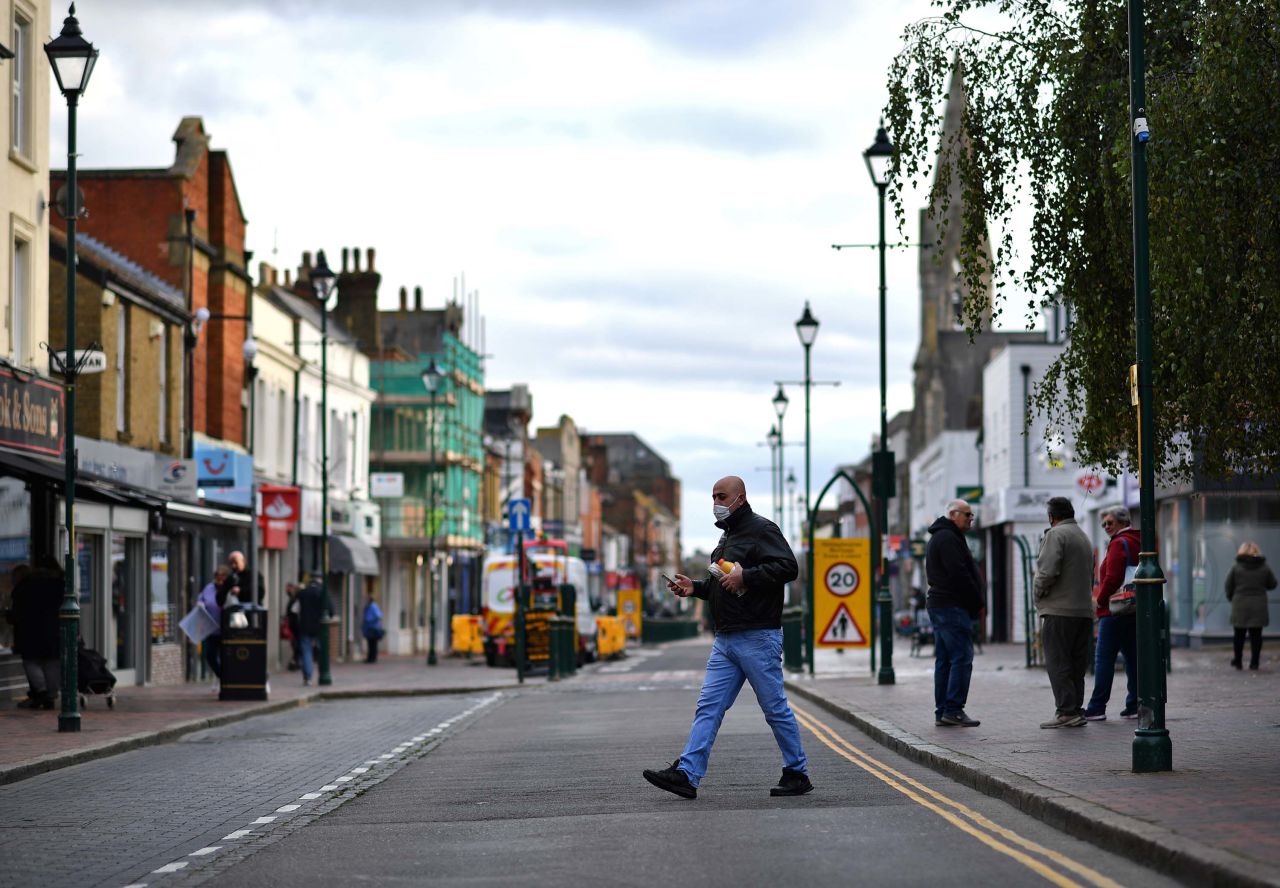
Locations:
(721, 512)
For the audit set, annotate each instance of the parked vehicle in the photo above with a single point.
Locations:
(553, 576)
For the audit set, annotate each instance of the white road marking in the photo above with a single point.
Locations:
(329, 787)
(203, 851)
(268, 819)
(238, 834)
(171, 867)
(345, 778)
(386, 755)
(309, 796)
(285, 809)
(359, 770)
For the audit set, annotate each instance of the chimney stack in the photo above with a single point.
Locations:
(344, 260)
(371, 255)
(417, 298)
(404, 298)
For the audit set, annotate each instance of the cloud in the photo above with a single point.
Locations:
(717, 129)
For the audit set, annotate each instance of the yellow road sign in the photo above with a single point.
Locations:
(842, 593)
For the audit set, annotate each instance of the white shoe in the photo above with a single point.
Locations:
(217, 688)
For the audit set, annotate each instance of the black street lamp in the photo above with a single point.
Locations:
(323, 281)
(878, 158)
(780, 408)
(807, 331)
(431, 380)
(72, 58)
(791, 501)
(775, 478)
(1152, 748)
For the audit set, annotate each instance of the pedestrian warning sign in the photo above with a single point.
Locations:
(842, 593)
(842, 629)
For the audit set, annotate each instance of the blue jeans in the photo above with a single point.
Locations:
(953, 659)
(308, 645)
(1116, 635)
(753, 655)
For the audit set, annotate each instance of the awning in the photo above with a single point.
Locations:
(351, 555)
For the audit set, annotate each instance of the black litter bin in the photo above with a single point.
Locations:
(244, 653)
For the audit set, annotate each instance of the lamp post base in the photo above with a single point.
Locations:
(1152, 751)
(431, 658)
(68, 722)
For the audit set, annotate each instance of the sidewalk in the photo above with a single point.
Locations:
(144, 716)
(1214, 820)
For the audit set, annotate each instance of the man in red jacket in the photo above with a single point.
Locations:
(1116, 635)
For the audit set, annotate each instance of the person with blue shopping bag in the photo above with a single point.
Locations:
(371, 628)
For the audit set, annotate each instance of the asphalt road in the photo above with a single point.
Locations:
(534, 787)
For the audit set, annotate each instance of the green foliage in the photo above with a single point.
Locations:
(1047, 126)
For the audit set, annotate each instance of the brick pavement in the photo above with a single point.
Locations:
(1225, 727)
(115, 821)
(147, 715)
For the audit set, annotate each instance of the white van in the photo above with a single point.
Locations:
(549, 565)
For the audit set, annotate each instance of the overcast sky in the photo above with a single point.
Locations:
(644, 192)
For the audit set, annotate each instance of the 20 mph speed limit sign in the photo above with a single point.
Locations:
(842, 579)
(842, 597)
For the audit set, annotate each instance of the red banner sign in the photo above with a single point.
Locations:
(281, 509)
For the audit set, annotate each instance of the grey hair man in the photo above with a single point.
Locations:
(1117, 633)
(1062, 588)
(954, 601)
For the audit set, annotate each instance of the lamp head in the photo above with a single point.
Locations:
(72, 57)
(879, 157)
(431, 377)
(807, 327)
(780, 402)
(250, 349)
(199, 319)
(322, 279)
(772, 437)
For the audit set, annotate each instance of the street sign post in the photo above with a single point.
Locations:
(842, 593)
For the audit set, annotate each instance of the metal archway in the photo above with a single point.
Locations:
(875, 558)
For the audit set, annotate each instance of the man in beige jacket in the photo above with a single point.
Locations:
(1063, 585)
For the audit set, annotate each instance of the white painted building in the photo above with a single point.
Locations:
(948, 462)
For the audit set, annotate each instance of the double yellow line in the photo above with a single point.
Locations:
(964, 818)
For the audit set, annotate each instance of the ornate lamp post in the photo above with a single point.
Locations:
(1152, 748)
(775, 484)
(72, 58)
(431, 380)
(807, 330)
(322, 282)
(780, 408)
(878, 159)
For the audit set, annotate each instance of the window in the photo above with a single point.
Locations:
(122, 387)
(20, 298)
(282, 432)
(162, 410)
(304, 440)
(20, 122)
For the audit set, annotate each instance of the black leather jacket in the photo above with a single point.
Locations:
(768, 564)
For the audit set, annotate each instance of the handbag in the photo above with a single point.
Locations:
(1124, 601)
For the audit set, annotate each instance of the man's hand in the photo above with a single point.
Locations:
(732, 582)
(682, 587)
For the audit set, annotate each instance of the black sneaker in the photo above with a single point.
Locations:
(672, 780)
(1129, 713)
(958, 720)
(1095, 715)
(793, 783)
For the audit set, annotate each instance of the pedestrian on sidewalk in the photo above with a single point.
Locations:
(1117, 633)
(291, 624)
(1062, 588)
(955, 599)
(1247, 584)
(213, 597)
(371, 628)
(313, 607)
(746, 611)
(36, 630)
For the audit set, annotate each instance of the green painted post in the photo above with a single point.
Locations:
(1152, 747)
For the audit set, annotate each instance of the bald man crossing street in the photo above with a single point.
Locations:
(746, 610)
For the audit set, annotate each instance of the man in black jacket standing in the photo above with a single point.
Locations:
(746, 610)
(955, 599)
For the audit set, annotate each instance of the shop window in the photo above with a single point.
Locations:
(164, 604)
(15, 548)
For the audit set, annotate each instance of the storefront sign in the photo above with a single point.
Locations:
(386, 484)
(225, 476)
(279, 510)
(31, 414)
(116, 463)
(176, 478)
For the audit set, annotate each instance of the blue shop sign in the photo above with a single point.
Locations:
(224, 476)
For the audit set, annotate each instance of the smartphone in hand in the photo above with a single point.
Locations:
(670, 582)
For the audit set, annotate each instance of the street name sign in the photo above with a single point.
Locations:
(89, 361)
(842, 593)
